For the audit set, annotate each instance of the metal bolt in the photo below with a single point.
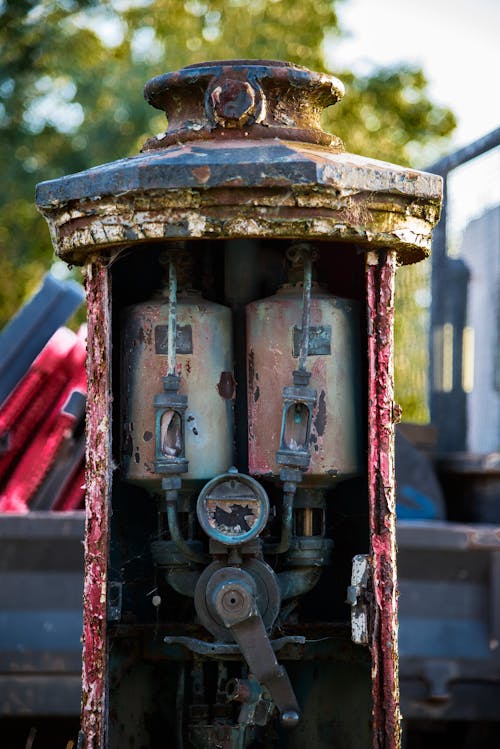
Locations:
(232, 600)
(233, 102)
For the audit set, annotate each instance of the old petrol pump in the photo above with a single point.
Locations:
(240, 276)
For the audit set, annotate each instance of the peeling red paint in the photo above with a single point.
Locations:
(98, 482)
(380, 272)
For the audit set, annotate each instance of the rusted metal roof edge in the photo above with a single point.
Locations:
(252, 164)
(93, 227)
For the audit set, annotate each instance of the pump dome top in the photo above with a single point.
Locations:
(244, 155)
(252, 98)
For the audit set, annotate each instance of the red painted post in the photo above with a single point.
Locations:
(98, 486)
(380, 278)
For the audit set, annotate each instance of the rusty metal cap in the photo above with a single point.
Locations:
(243, 99)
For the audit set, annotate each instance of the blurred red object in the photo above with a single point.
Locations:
(40, 424)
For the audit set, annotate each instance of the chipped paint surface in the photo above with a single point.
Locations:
(380, 277)
(356, 597)
(273, 188)
(98, 481)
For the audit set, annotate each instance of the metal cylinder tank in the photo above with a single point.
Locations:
(273, 342)
(205, 364)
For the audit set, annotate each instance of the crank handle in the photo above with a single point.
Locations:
(233, 600)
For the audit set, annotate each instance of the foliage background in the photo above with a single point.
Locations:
(71, 76)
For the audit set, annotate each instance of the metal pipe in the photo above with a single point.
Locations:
(296, 582)
(308, 522)
(306, 308)
(179, 706)
(183, 580)
(175, 533)
(286, 520)
(172, 317)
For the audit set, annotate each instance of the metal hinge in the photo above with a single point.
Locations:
(357, 598)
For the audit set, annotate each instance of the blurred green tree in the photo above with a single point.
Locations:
(71, 74)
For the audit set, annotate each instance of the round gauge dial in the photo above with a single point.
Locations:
(232, 508)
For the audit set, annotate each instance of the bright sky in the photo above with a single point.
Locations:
(456, 42)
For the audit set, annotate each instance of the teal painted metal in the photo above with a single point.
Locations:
(233, 508)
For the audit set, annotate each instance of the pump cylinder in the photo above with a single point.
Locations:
(273, 347)
(204, 361)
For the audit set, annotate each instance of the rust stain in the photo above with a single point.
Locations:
(226, 385)
(251, 369)
(380, 275)
(202, 173)
(145, 336)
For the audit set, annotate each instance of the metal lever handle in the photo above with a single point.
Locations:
(232, 598)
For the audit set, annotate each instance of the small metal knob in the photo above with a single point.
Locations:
(233, 600)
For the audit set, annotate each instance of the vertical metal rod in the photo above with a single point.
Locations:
(242, 276)
(179, 706)
(306, 309)
(172, 317)
(286, 519)
(175, 531)
(308, 521)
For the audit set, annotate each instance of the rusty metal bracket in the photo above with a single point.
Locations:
(358, 600)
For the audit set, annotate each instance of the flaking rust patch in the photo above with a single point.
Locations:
(320, 415)
(202, 173)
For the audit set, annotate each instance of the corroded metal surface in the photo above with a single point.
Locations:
(98, 484)
(380, 277)
(252, 98)
(244, 156)
(334, 361)
(256, 189)
(204, 357)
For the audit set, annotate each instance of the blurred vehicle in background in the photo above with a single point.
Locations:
(42, 407)
(448, 547)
